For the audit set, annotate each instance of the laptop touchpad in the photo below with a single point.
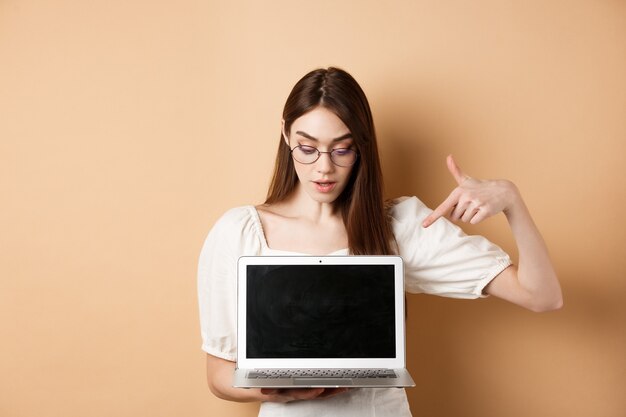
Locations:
(322, 381)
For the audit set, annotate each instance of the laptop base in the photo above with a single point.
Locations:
(402, 379)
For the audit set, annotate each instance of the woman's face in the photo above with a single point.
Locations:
(320, 128)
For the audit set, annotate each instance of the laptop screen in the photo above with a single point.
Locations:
(320, 311)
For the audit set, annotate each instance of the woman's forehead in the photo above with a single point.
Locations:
(321, 124)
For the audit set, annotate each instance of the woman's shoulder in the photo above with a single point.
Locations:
(236, 231)
(234, 219)
(407, 209)
(237, 213)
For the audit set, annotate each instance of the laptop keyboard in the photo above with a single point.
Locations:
(321, 373)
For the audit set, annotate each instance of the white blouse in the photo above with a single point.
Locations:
(440, 260)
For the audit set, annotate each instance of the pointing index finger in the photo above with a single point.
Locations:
(442, 210)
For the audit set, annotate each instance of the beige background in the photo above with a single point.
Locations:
(128, 127)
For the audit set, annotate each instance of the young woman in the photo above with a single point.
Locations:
(326, 198)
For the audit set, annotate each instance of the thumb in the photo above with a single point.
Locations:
(455, 170)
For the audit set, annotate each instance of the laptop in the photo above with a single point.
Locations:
(329, 321)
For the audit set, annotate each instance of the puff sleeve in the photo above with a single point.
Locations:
(442, 259)
(232, 236)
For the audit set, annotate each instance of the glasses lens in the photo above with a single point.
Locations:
(305, 154)
(343, 157)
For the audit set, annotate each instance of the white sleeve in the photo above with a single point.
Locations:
(442, 259)
(232, 236)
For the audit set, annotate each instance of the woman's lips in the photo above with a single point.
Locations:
(324, 186)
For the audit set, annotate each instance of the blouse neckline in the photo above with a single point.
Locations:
(259, 229)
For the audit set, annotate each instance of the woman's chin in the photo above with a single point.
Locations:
(323, 198)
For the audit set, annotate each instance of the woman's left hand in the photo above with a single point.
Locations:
(474, 200)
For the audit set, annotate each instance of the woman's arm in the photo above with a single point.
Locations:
(533, 284)
(220, 381)
(219, 374)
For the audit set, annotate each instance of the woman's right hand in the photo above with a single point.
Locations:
(285, 395)
(220, 379)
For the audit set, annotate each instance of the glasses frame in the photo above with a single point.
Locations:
(319, 154)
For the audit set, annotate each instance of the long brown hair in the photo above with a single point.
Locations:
(361, 203)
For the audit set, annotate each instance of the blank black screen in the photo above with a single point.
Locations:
(320, 311)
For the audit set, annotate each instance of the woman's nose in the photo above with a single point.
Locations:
(324, 163)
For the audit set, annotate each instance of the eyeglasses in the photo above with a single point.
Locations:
(343, 157)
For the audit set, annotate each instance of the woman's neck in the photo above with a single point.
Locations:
(300, 204)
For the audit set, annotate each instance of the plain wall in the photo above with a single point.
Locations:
(128, 127)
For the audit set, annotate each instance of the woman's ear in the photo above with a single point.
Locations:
(282, 129)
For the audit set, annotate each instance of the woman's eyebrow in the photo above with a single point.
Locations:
(306, 135)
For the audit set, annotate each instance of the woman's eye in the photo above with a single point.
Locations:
(341, 151)
(307, 150)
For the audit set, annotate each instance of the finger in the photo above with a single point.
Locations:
(443, 209)
(307, 394)
(469, 214)
(455, 170)
(479, 217)
(458, 211)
